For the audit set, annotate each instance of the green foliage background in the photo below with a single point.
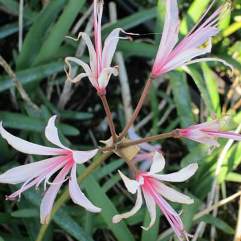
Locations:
(40, 68)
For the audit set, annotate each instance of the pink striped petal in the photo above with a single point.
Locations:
(169, 36)
(133, 211)
(151, 206)
(27, 147)
(51, 133)
(29, 171)
(223, 134)
(180, 176)
(50, 195)
(78, 196)
(83, 156)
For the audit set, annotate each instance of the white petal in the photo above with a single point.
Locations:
(187, 55)
(78, 196)
(131, 185)
(151, 206)
(27, 147)
(50, 195)
(91, 49)
(173, 195)
(110, 47)
(105, 75)
(51, 133)
(158, 163)
(23, 173)
(83, 156)
(180, 176)
(79, 62)
(133, 211)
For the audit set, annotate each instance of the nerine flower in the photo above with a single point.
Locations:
(171, 55)
(207, 133)
(155, 191)
(99, 70)
(146, 152)
(64, 161)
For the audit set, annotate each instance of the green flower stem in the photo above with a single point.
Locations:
(65, 195)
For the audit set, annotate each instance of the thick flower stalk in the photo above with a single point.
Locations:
(208, 133)
(99, 69)
(151, 186)
(172, 54)
(64, 161)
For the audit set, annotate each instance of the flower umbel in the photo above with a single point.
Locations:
(207, 133)
(171, 55)
(99, 70)
(155, 192)
(64, 161)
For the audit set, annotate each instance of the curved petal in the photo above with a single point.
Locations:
(185, 56)
(110, 47)
(29, 171)
(131, 185)
(133, 211)
(169, 35)
(225, 134)
(173, 195)
(50, 195)
(105, 75)
(51, 133)
(79, 62)
(180, 176)
(83, 156)
(78, 196)
(92, 53)
(151, 206)
(158, 163)
(27, 147)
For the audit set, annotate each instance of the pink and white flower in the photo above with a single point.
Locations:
(151, 186)
(99, 70)
(207, 133)
(171, 55)
(64, 161)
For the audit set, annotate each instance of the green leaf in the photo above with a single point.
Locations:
(23, 122)
(182, 100)
(98, 196)
(12, 6)
(30, 75)
(139, 49)
(194, 12)
(62, 218)
(25, 213)
(212, 87)
(233, 177)
(130, 21)
(59, 30)
(197, 77)
(218, 223)
(182, 97)
(152, 233)
(33, 40)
